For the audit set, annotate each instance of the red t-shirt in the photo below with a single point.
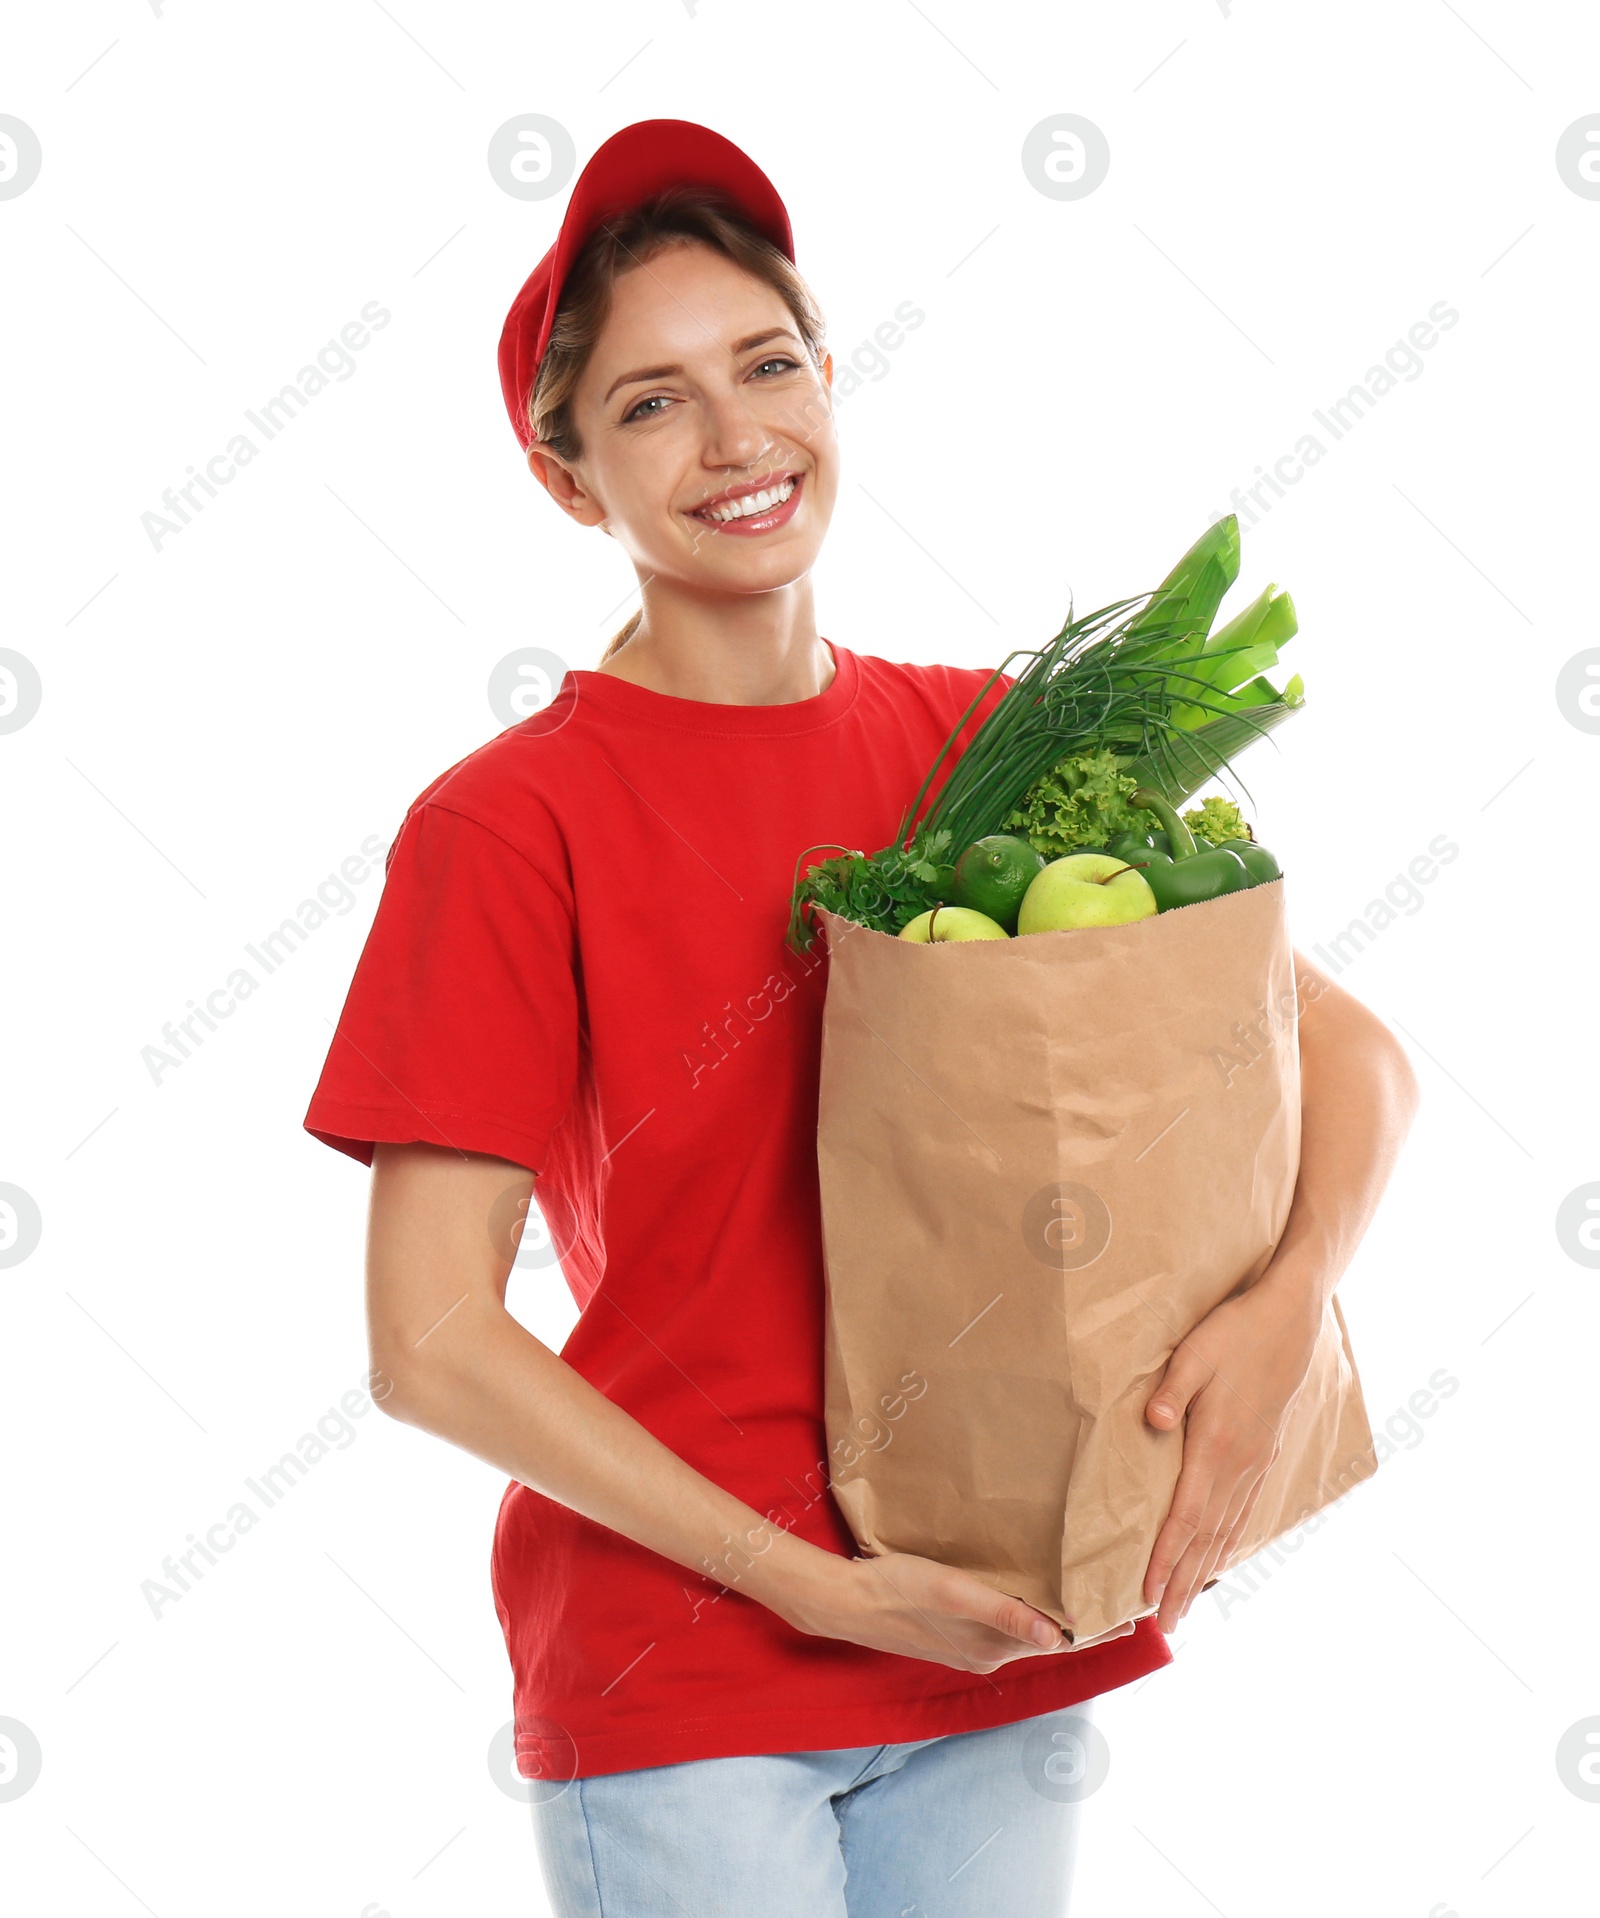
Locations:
(578, 965)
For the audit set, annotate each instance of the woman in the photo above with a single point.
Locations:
(577, 973)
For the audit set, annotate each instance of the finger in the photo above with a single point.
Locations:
(971, 1597)
(1217, 1557)
(946, 1597)
(1207, 1535)
(1243, 1503)
(1186, 1573)
(1222, 1557)
(1017, 1620)
(1186, 1374)
(1243, 1520)
(1230, 1551)
(1190, 1499)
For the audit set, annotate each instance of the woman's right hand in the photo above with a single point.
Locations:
(918, 1608)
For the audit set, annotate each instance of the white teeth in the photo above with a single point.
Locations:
(751, 503)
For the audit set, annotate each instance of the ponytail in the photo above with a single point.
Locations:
(620, 639)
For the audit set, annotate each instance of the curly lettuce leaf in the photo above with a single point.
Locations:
(1081, 802)
(1217, 819)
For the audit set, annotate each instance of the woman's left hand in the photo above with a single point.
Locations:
(1235, 1377)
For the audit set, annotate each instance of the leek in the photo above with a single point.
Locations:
(1244, 648)
(1183, 606)
(1182, 763)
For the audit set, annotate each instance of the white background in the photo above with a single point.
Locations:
(226, 719)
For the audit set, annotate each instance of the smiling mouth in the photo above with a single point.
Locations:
(749, 505)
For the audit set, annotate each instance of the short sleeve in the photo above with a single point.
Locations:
(460, 1027)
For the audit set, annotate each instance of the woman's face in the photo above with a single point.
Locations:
(700, 388)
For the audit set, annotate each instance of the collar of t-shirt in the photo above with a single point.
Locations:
(621, 699)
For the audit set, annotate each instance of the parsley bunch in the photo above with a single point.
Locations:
(884, 890)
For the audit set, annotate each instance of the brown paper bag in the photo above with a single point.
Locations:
(1043, 1160)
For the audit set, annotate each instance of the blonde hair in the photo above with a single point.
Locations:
(676, 217)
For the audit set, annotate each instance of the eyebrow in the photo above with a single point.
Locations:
(664, 372)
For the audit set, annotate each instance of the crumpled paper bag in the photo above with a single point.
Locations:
(1042, 1162)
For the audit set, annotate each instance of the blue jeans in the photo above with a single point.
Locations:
(979, 1824)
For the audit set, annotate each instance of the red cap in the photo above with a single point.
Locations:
(633, 165)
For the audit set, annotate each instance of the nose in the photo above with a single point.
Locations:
(735, 435)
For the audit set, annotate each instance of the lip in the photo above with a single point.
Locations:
(756, 523)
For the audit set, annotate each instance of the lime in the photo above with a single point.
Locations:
(992, 875)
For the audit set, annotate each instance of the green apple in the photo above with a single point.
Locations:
(950, 923)
(1085, 889)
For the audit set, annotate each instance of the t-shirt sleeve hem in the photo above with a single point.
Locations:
(357, 1129)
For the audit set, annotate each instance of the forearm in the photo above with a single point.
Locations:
(1358, 1097)
(460, 1366)
(496, 1391)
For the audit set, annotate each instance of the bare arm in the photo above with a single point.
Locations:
(1358, 1096)
(463, 1368)
(1231, 1382)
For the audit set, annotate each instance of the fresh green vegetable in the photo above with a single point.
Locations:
(1244, 648)
(1180, 763)
(1179, 836)
(1129, 695)
(1094, 687)
(1218, 820)
(992, 875)
(1229, 674)
(1076, 806)
(1218, 823)
(1258, 862)
(1135, 848)
(885, 891)
(1185, 603)
(1150, 856)
(1192, 877)
(1111, 680)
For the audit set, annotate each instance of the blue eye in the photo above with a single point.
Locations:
(634, 412)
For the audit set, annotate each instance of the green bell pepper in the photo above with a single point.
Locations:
(1258, 862)
(1193, 877)
(1135, 848)
(1123, 844)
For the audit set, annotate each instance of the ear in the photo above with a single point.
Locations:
(564, 486)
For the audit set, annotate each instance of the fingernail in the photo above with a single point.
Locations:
(1044, 1633)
